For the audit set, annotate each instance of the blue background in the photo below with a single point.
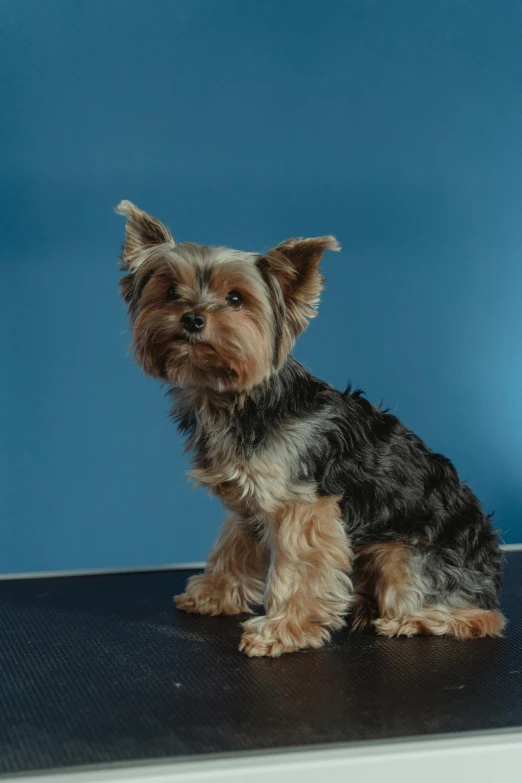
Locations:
(395, 125)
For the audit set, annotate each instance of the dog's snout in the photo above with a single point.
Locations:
(193, 322)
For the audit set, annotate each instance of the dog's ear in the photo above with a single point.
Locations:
(141, 231)
(295, 264)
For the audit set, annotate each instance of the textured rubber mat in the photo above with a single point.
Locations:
(102, 669)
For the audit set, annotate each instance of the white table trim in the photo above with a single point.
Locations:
(481, 758)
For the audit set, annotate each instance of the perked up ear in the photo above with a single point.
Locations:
(142, 231)
(295, 264)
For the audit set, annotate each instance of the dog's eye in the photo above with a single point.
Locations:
(172, 294)
(234, 300)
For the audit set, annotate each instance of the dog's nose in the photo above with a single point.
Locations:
(193, 322)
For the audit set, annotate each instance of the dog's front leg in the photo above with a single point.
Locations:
(308, 590)
(234, 575)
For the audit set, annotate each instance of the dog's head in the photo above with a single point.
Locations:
(212, 317)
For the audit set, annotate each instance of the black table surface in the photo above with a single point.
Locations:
(102, 669)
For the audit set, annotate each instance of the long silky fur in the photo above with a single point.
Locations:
(334, 503)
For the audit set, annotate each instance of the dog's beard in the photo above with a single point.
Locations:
(196, 362)
(166, 352)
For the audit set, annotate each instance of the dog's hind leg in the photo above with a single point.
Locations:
(412, 594)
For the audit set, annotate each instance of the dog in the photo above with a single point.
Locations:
(335, 506)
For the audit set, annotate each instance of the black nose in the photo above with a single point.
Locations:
(193, 322)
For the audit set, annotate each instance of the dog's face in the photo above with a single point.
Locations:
(215, 318)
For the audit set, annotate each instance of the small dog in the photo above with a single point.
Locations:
(335, 505)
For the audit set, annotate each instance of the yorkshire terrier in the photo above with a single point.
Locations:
(335, 506)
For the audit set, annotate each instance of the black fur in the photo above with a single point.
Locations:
(273, 442)
(393, 487)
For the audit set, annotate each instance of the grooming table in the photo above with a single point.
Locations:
(101, 679)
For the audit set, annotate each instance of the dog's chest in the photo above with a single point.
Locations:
(254, 480)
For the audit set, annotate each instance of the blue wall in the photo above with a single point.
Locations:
(396, 126)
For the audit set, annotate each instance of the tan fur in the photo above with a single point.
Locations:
(308, 590)
(385, 577)
(291, 530)
(141, 231)
(278, 513)
(234, 577)
(235, 351)
(295, 263)
(391, 597)
(466, 623)
(263, 484)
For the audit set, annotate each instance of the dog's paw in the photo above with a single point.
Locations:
(200, 605)
(264, 636)
(207, 594)
(397, 627)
